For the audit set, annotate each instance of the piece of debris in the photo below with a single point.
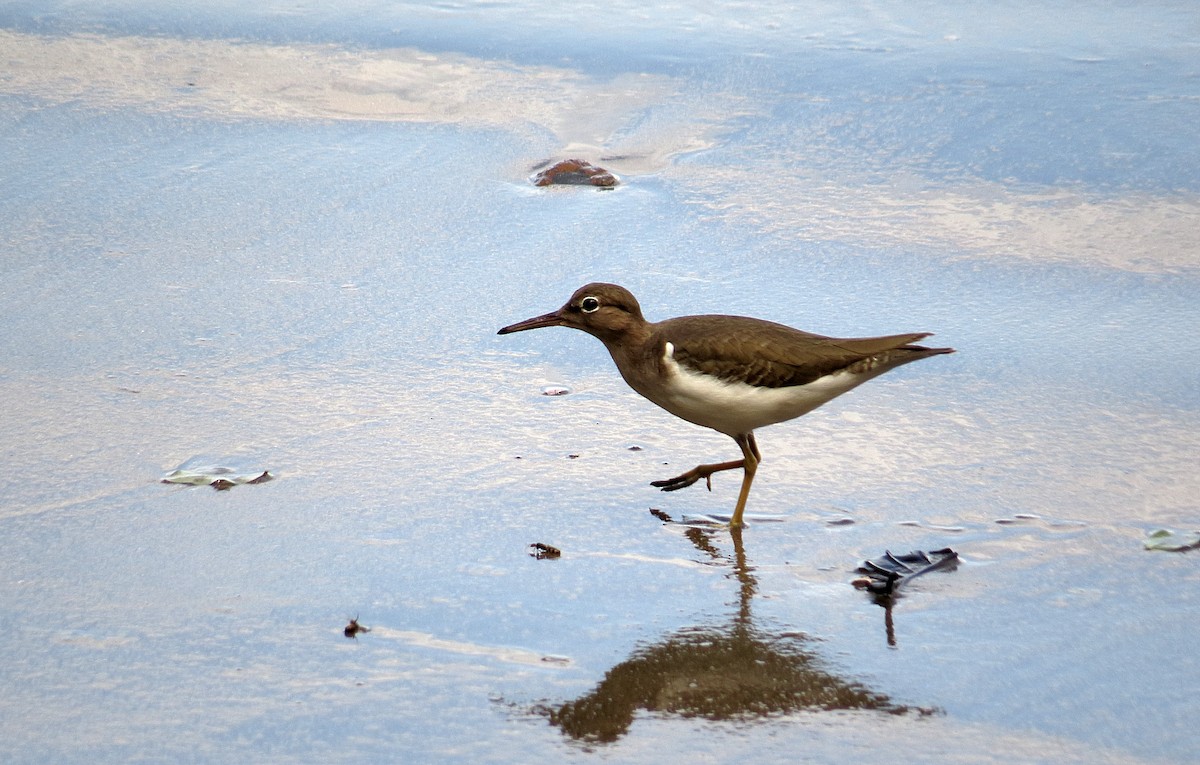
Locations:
(575, 172)
(1172, 541)
(885, 575)
(1018, 518)
(541, 551)
(353, 628)
(555, 390)
(217, 476)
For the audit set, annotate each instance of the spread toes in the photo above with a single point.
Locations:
(676, 483)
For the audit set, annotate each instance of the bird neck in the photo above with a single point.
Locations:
(632, 348)
(626, 329)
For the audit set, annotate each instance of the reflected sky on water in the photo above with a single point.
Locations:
(283, 237)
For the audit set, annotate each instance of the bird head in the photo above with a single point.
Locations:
(606, 311)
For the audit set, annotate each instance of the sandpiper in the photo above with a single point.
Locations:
(733, 374)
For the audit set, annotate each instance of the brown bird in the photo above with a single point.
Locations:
(730, 373)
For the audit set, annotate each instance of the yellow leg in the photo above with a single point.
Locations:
(750, 465)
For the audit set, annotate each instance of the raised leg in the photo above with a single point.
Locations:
(695, 474)
(749, 464)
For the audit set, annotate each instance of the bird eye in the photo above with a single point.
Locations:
(589, 304)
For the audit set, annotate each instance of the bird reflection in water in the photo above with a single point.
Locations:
(733, 671)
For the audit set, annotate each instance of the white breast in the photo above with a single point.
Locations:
(735, 408)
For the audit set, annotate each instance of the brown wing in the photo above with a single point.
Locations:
(773, 355)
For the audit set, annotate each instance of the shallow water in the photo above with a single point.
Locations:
(283, 239)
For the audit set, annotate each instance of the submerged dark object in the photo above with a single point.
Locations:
(885, 575)
(575, 172)
(540, 551)
(353, 628)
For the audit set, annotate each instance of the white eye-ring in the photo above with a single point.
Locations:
(589, 304)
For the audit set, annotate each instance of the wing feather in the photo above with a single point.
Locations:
(774, 355)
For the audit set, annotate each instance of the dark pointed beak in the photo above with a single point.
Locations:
(552, 319)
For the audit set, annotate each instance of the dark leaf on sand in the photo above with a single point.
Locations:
(887, 574)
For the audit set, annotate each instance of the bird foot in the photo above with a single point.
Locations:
(695, 474)
(683, 481)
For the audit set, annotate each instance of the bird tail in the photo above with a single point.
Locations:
(878, 363)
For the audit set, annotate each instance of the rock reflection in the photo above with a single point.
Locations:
(733, 671)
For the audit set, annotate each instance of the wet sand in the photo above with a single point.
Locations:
(292, 255)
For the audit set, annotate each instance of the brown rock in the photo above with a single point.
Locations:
(575, 172)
